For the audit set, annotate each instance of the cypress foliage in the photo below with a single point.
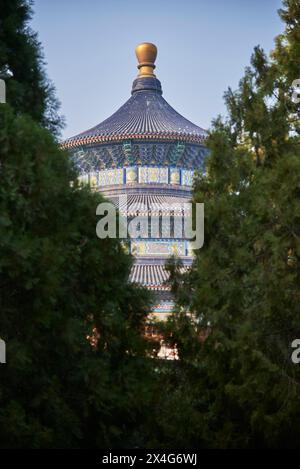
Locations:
(236, 377)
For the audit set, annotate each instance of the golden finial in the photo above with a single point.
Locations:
(146, 54)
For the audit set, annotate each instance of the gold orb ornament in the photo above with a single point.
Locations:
(146, 53)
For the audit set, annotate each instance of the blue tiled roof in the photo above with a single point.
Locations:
(146, 115)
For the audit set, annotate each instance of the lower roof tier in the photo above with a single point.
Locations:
(146, 204)
(152, 276)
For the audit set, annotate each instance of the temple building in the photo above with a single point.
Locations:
(149, 153)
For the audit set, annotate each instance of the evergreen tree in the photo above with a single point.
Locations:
(29, 91)
(237, 378)
(58, 282)
(77, 371)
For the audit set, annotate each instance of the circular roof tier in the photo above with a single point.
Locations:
(145, 116)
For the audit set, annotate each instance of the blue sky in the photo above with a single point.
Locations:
(203, 47)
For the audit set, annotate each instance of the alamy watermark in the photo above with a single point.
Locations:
(296, 91)
(5, 74)
(2, 351)
(174, 220)
(295, 357)
(2, 91)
